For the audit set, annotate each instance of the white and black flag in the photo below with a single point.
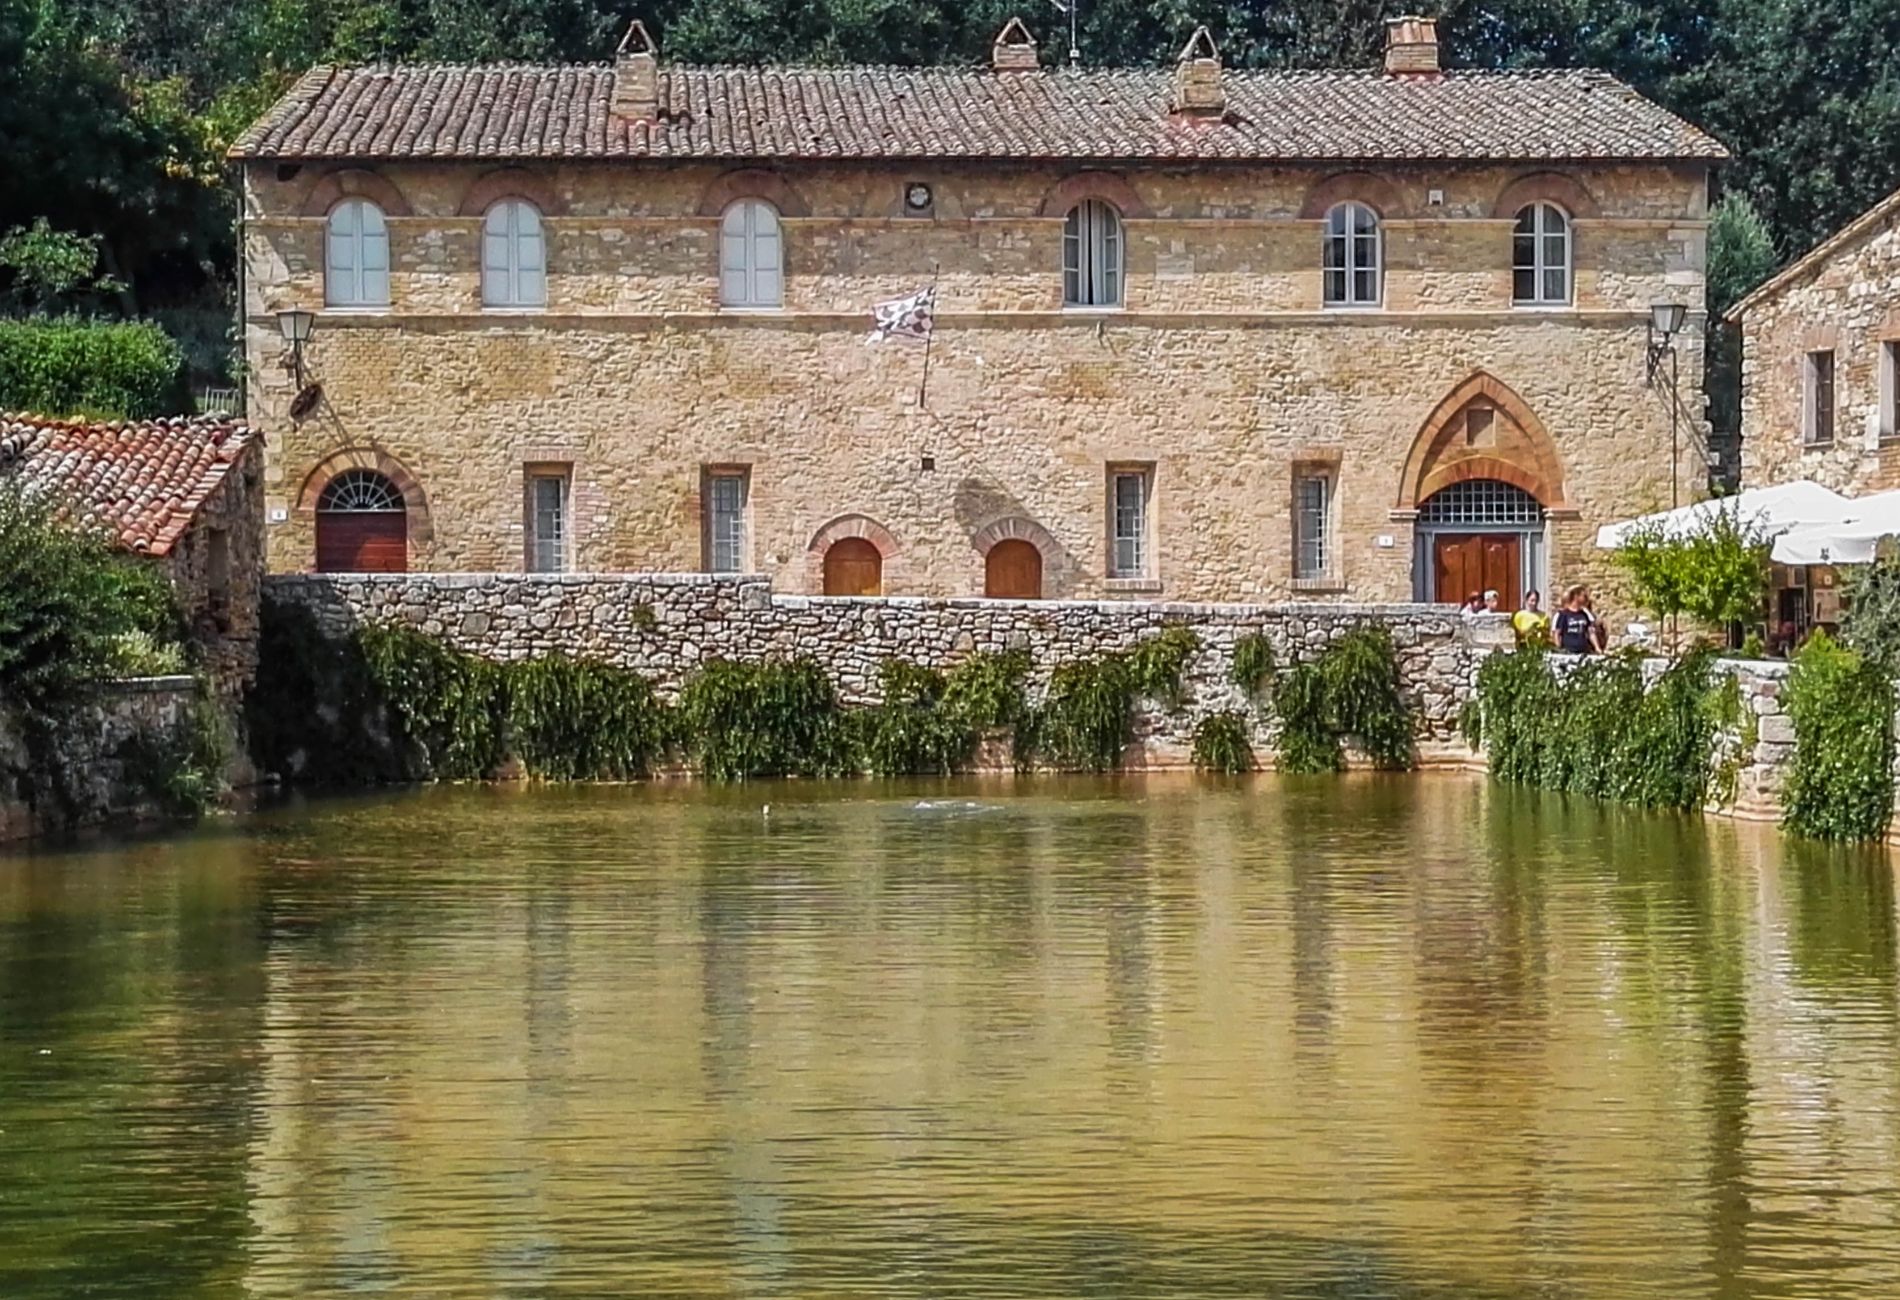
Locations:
(905, 318)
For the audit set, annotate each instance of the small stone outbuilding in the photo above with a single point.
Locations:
(185, 493)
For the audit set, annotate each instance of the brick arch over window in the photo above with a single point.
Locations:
(1506, 442)
(1016, 528)
(842, 528)
(1107, 186)
(752, 183)
(1376, 192)
(510, 183)
(415, 502)
(1566, 192)
(355, 183)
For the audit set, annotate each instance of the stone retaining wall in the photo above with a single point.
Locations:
(88, 781)
(668, 625)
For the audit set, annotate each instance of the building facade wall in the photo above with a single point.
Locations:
(1847, 304)
(217, 568)
(1221, 371)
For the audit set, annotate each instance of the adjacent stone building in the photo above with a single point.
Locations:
(186, 494)
(1821, 363)
(1201, 333)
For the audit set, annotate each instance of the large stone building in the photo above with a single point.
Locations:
(1201, 333)
(1821, 362)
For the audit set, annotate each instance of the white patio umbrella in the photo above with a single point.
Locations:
(1773, 510)
(1851, 539)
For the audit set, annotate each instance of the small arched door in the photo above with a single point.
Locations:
(854, 567)
(362, 525)
(1013, 571)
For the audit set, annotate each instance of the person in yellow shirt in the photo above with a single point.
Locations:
(1530, 623)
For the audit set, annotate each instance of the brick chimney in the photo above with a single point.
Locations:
(1411, 47)
(1014, 49)
(1198, 91)
(637, 76)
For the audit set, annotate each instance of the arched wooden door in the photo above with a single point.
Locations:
(854, 567)
(1013, 571)
(362, 525)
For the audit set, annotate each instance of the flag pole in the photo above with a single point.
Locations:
(923, 385)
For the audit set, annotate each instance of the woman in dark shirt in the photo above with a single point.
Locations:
(1575, 629)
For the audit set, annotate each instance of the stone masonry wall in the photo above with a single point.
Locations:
(98, 786)
(1849, 303)
(1222, 374)
(667, 626)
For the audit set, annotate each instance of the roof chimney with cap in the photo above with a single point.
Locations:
(637, 76)
(1197, 78)
(1014, 49)
(1411, 47)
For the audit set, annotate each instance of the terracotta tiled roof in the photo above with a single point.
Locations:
(144, 480)
(527, 112)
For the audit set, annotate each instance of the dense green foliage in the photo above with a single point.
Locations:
(576, 719)
(779, 718)
(1716, 575)
(448, 708)
(1840, 785)
(118, 112)
(1870, 619)
(1593, 729)
(1254, 664)
(98, 369)
(1351, 690)
(72, 611)
(1087, 718)
(1221, 744)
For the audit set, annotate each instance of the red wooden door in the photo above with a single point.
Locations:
(1466, 562)
(853, 567)
(362, 541)
(1013, 571)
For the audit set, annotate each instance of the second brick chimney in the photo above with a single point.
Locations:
(637, 76)
(1411, 47)
(1014, 49)
(1198, 91)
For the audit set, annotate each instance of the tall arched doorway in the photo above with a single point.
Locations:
(1480, 535)
(362, 525)
(1013, 571)
(854, 567)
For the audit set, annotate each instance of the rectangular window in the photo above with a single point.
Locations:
(1890, 390)
(726, 492)
(1820, 398)
(1129, 493)
(1312, 514)
(547, 523)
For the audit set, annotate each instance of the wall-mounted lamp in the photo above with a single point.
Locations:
(296, 326)
(1665, 322)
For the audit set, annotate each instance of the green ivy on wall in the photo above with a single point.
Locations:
(1351, 690)
(1221, 744)
(1087, 719)
(1840, 785)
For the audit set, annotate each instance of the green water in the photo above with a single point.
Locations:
(1371, 1037)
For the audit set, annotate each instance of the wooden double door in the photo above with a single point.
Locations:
(1466, 562)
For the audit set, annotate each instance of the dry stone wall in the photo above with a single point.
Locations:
(667, 626)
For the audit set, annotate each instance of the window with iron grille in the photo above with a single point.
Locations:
(548, 512)
(1131, 491)
(360, 491)
(1352, 256)
(726, 497)
(1819, 425)
(1312, 514)
(1092, 256)
(1481, 501)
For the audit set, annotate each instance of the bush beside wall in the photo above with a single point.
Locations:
(96, 369)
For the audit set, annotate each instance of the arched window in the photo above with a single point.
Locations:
(514, 256)
(1540, 256)
(1092, 256)
(751, 268)
(356, 256)
(362, 525)
(1352, 256)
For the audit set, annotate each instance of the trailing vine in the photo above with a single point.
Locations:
(1221, 745)
(449, 708)
(1594, 729)
(182, 770)
(1350, 690)
(1840, 785)
(580, 720)
(1087, 718)
(777, 718)
(1254, 665)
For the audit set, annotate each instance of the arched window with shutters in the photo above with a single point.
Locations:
(751, 256)
(356, 256)
(362, 525)
(1092, 256)
(1540, 256)
(514, 256)
(1353, 257)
